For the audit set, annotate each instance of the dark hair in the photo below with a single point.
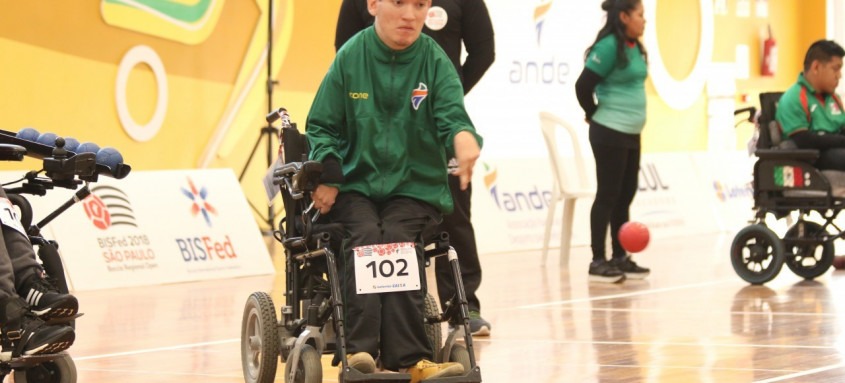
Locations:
(613, 26)
(822, 51)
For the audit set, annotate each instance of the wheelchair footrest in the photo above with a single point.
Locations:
(353, 375)
(28, 361)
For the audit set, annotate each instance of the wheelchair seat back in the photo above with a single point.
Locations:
(785, 169)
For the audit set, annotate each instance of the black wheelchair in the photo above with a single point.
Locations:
(786, 185)
(311, 321)
(62, 169)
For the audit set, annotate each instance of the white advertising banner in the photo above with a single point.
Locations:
(156, 227)
(729, 176)
(540, 47)
(512, 197)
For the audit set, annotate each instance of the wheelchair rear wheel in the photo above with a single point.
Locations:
(808, 260)
(309, 369)
(432, 330)
(259, 339)
(757, 254)
(59, 370)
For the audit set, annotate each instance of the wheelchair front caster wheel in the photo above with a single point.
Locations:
(460, 354)
(309, 369)
(757, 254)
(259, 339)
(59, 370)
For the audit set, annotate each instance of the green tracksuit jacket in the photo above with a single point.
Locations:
(390, 117)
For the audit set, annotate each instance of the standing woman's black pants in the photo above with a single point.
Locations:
(617, 170)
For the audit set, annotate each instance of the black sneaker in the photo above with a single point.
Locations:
(630, 268)
(24, 334)
(477, 325)
(46, 301)
(604, 271)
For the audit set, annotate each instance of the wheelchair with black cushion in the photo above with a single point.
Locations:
(62, 169)
(311, 320)
(785, 184)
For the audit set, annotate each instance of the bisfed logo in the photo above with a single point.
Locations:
(108, 206)
(199, 201)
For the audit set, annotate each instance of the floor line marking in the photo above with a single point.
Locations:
(802, 373)
(625, 295)
(149, 350)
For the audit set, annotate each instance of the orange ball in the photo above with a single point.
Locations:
(633, 236)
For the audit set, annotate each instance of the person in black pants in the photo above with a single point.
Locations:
(27, 300)
(615, 71)
(451, 23)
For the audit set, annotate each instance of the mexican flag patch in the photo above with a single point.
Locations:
(789, 176)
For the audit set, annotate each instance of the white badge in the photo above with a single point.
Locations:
(9, 216)
(386, 268)
(436, 19)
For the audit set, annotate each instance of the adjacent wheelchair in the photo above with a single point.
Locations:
(788, 186)
(62, 169)
(310, 323)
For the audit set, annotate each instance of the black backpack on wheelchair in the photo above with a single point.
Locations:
(786, 182)
(311, 320)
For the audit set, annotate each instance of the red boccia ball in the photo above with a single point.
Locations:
(633, 236)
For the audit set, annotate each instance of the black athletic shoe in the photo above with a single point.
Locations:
(46, 301)
(630, 268)
(604, 271)
(25, 334)
(477, 325)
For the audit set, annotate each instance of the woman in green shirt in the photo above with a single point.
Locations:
(615, 72)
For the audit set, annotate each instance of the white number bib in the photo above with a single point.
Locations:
(9, 216)
(386, 268)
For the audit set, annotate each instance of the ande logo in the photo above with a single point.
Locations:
(108, 206)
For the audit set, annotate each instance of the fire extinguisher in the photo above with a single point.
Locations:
(770, 55)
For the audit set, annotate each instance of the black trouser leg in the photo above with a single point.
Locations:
(404, 342)
(462, 238)
(362, 313)
(394, 321)
(617, 170)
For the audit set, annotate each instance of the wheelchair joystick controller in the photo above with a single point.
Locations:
(59, 152)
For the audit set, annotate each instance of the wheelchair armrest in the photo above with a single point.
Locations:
(299, 176)
(806, 155)
(12, 152)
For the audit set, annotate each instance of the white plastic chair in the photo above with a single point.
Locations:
(567, 187)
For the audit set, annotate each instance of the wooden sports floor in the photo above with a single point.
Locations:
(692, 320)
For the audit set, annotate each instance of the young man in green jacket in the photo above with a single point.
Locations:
(387, 116)
(810, 113)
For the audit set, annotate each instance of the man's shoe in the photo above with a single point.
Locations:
(24, 334)
(477, 325)
(425, 369)
(46, 301)
(362, 361)
(604, 271)
(630, 268)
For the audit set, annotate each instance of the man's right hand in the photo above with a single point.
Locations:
(324, 197)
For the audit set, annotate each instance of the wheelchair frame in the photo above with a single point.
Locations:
(313, 310)
(757, 253)
(63, 169)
